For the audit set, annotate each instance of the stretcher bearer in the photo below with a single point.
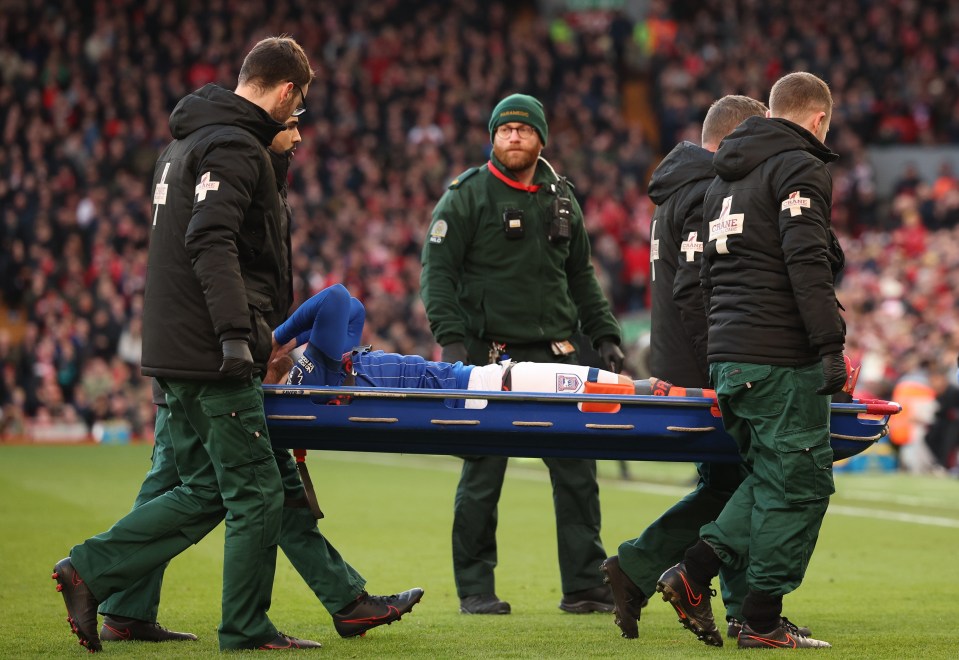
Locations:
(131, 615)
(678, 354)
(218, 281)
(506, 270)
(775, 342)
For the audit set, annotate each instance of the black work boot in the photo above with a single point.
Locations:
(483, 604)
(784, 636)
(691, 602)
(628, 599)
(122, 629)
(368, 612)
(81, 604)
(597, 599)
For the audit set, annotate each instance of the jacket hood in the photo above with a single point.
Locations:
(757, 139)
(686, 163)
(212, 105)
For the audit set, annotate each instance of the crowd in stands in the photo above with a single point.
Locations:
(399, 107)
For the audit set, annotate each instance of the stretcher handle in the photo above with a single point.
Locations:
(880, 407)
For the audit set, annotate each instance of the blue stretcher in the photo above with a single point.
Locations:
(648, 428)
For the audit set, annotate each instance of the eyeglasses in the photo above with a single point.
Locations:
(302, 107)
(525, 131)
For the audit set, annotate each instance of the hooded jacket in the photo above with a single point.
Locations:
(771, 259)
(218, 265)
(677, 337)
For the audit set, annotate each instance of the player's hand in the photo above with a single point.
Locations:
(237, 359)
(277, 351)
(455, 352)
(611, 355)
(278, 370)
(833, 373)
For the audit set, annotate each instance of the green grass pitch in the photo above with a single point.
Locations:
(884, 582)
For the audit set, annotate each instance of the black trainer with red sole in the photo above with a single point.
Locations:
(368, 612)
(81, 605)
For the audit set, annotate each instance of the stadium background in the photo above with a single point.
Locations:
(399, 107)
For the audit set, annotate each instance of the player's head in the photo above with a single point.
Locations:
(727, 113)
(804, 99)
(286, 141)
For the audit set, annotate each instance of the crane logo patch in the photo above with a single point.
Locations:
(795, 203)
(726, 225)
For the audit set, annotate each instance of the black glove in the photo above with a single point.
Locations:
(237, 359)
(610, 355)
(833, 373)
(455, 352)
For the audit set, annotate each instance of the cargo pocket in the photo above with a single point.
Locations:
(806, 468)
(749, 387)
(240, 427)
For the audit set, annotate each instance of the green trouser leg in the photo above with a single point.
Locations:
(474, 524)
(331, 578)
(575, 501)
(226, 464)
(781, 425)
(576, 504)
(142, 600)
(664, 542)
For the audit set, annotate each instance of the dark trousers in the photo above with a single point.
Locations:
(664, 542)
(575, 503)
(771, 523)
(225, 462)
(332, 579)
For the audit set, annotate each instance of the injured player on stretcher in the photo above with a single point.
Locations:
(331, 325)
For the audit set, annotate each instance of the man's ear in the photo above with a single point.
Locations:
(817, 121)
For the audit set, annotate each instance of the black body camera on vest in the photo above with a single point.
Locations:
(513, 223)
(561, 213)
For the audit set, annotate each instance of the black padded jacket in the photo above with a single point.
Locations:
(771, 258)
(218, 265)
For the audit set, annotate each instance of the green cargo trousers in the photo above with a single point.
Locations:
(225, 461)
(772, 521)
(575, 503)
(664, 542)
(335, 583)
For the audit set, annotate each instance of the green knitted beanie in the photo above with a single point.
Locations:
(519, 108)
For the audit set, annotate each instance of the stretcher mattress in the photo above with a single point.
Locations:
(650, 428)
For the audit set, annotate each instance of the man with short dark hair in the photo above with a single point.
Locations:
(218, 281)
(775, 342)
(131, 615)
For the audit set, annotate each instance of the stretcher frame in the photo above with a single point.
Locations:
(531, 424)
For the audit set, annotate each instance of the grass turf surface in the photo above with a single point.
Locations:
(884, 582)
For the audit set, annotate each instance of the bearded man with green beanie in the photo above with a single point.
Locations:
(507, 272)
